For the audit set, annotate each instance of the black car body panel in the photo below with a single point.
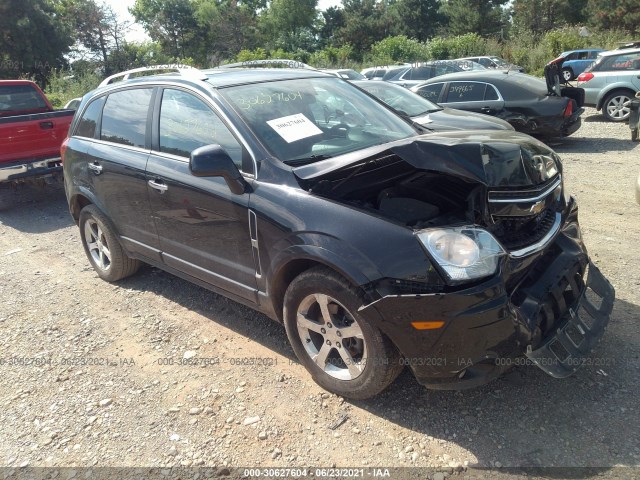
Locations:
(428, 114)
(529, 104)
(358, 213)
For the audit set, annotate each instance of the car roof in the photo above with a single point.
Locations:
(227, 78)
(221, 77)
(584, 50)
(512, 81)
(620, 51)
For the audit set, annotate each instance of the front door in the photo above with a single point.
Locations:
(203, 227)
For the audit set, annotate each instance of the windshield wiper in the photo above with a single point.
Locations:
(296, 162)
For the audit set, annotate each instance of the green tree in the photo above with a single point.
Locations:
(540, 16)
(332, 21)
(419, 19)
(398, 49)
(611, 14)
(34, 38)
(173, 24)
(228, 27)
(98, 29)
(291, 24)
(484, 17)
(367, 22)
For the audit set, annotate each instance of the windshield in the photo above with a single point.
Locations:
(309, 119)
(400, 98)
(500, 61)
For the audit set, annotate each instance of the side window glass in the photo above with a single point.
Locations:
(421, 73)
(88, 123)
(491, 93)
(186, 123)
(465, 92)
(124, 118)
(485, 62)
(431, 92)
(621, 62)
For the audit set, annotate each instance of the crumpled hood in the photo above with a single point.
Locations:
(492, 158)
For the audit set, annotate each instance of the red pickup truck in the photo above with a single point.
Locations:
(31, 133)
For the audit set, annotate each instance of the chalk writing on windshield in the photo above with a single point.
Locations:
(246, 103)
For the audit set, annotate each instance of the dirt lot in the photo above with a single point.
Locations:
(92, 374)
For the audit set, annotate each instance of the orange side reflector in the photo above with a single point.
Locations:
(427, 325)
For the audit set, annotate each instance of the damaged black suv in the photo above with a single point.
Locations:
(376, 244)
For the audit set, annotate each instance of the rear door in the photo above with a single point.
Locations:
(116, 165)
(478, 97)
(202, 226)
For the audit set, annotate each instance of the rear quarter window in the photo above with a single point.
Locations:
(431, 92)
(124, 117)
(88, 123)
(630, 61)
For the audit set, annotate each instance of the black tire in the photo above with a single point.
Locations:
(567, 75)
(617, 106)
(7, 196)
(375, 359)
(117, 265)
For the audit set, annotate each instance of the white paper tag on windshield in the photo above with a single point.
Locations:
(294, 127)
(422, 120)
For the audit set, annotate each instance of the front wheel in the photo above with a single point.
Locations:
(344, 353)
(102, 246)
(567, 75)
(617, 106)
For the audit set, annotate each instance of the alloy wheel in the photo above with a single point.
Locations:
(97, 244)
(331, 337)
(618, 107)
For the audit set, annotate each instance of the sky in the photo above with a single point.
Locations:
(137, 33)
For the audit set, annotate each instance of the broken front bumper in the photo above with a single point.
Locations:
(541, 309)
(582, 327)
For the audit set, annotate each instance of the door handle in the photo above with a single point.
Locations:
(46, 125)
(95, 168)
(485, 109)
(157, 185)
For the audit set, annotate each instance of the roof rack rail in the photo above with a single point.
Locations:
(632, 44)
(185, 70)
(273, 62)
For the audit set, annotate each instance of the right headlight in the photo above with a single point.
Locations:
(464, 253)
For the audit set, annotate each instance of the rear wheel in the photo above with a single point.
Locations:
(102, 246)
(617, 106)
(344, 353)
(567, 74)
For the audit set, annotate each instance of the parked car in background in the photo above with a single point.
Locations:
(377, 246)
(427, 113)
(73, 103)
(346, 73)
(31, 133)
(612, 82)
(417, 73)
(376, 73)
(576, 61)
(526, 102)
(495, 63)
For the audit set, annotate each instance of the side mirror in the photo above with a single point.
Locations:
(214, 161)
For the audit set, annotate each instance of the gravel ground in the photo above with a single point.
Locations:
(157, 372)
